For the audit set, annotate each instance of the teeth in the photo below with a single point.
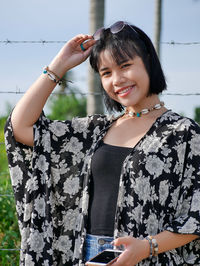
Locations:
(120, 92)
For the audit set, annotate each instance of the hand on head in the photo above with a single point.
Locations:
(75, 51)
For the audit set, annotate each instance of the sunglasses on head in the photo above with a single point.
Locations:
(115, 28)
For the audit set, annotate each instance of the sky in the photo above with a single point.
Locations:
(60, 20)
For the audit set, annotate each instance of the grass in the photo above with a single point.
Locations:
(9, 231)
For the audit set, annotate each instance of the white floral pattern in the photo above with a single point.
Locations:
(159, 187)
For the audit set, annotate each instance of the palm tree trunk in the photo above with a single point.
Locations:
(158, 25)
(94, 99)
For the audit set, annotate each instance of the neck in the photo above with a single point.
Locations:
(153, 106)
(149, 102)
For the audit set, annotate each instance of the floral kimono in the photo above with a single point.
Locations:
(159, 187)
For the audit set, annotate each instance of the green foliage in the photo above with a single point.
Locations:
(9, 232)
(197, 114)
(64, 106)
(3, 156)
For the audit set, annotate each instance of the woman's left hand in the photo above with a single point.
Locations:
(135, 250)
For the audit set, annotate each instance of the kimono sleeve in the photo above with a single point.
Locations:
(20, 166)
(22, 159)
(32, 180)
(187, 216)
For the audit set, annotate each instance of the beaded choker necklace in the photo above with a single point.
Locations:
(144, 111)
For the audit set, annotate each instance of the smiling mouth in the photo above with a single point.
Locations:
(125, 91)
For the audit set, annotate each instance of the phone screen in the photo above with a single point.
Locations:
(106, 256)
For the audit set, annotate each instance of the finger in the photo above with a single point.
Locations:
(87, 44)
(127, 240)
(87, 52)
(121, 260)
(82, 38)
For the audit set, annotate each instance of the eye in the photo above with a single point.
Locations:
(125, 65)
(106, 73)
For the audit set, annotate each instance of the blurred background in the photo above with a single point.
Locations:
(40, 21)
(31, 34)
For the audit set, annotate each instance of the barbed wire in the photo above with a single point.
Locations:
(10, 249)
(7, 41)
(180, 43)
(19, 91)
(97, 93)
(181, 94)
(6, 195)
(4, 173)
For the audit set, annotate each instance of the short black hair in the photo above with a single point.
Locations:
(126, 44)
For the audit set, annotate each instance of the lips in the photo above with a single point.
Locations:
(124, 91)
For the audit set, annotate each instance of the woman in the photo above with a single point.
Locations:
(133, 177)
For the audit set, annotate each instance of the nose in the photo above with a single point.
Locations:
(118, 79)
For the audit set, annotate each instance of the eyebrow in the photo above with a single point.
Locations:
(123, 61)
(103, 69)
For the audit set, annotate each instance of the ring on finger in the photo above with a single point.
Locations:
(82, 47)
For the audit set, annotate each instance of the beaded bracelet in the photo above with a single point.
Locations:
(52, 76)
(153, 246)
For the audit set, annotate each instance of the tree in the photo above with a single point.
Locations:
(197, 114)
(65, 107)
(158, 25)
(94, 99)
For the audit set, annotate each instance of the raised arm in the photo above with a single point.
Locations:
(29, 108)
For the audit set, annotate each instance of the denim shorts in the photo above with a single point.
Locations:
(95, 244)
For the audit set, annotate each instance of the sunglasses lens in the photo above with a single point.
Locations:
(97, 34)
(117, 27)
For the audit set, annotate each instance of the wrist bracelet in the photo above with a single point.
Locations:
(153, 246)
(52, 76)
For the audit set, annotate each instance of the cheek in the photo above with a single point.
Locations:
(106, 85)
(108, 90)
(144, 77)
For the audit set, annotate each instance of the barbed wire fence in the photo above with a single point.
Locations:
(21, 91)
(7, 41)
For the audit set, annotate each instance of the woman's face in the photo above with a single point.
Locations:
(127, 82)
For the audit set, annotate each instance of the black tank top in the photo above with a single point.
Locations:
(106, 169)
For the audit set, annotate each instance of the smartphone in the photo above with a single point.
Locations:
(106, 257)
